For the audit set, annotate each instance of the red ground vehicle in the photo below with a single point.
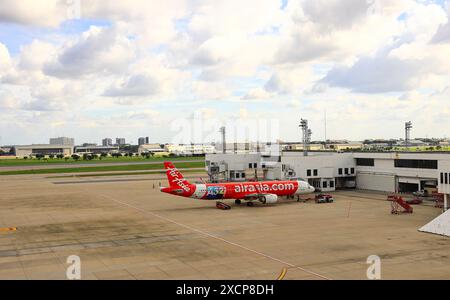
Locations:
(324, 198)
(414, 201)
(398, 205)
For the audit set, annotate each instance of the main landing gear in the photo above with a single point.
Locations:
(237, 201)
(250, 204)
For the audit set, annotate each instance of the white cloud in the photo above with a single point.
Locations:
(257, 94)
(442, 34)
(33, 56)
(379, 74)
(340, 55)
(152, 22)
(5, 59)
(8, 100)
(133, 86)
(31, 12)
(97, 51)
(210, 90)
(335, 14)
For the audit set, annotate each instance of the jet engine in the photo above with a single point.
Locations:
(269, 199)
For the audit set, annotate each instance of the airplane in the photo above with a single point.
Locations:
(267, 192)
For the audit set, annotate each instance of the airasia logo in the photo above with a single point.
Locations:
(181, 182)
(264, 187)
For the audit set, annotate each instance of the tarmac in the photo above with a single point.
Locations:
(123, 227)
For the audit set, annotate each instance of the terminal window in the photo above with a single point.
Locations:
(308, 172)
(352, 170)
(340, 171)
(368, 162)
(316, 172)
(416, 163)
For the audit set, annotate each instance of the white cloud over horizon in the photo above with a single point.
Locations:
(129, 68)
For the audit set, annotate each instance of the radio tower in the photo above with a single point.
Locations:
(224, 143)
(408, 127)
(306, 136)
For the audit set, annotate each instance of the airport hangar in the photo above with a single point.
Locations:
(28, 150)
(328, 171)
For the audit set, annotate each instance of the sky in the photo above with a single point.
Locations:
(94, 69)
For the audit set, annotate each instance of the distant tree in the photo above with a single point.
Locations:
(25, 157)
(40, 156)
(75, 156)
(172, 155)
(88, 156)
(60, 156)
(66, 158)
(51, 156)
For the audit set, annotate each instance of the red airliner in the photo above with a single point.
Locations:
(267, 192)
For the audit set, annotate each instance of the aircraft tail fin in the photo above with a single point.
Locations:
(174, 177)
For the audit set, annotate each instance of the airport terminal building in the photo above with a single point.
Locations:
(327, 171)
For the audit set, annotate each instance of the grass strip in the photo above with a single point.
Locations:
(181, 165)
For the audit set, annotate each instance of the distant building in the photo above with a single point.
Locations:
(5, 149)
(190, 149)
(120, 141)
(143, 141)
(107, 142)
(62, 141)
(28, 150)
(150, 148)
(90, 145)
(96, 149)
(240, 147)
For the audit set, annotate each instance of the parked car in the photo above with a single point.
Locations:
(324, 198)
(421, 193)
